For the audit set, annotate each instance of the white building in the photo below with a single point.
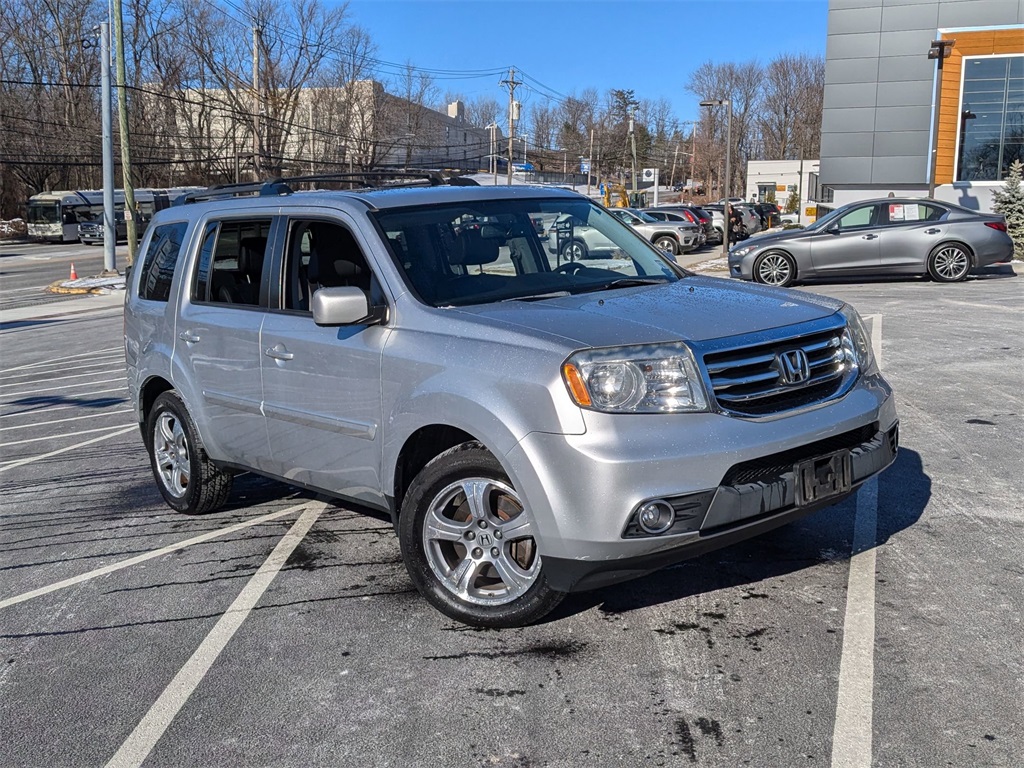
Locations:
(782, 178)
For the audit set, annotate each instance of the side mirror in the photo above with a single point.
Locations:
(341, 306)
(833, 229)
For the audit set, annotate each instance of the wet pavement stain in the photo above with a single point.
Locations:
(981, 421)
(684, 740)
(712, 728)
(497, 692)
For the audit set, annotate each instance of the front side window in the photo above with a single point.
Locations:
(160, 260)
(323, 254)
(991, 132)
(495, 250)
(230, 269)
(858, 217)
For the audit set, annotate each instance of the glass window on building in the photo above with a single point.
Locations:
(991, 117)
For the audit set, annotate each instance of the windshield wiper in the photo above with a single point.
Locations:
(539, 296)
(624, 282)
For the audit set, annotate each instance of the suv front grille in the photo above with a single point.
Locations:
(750, 381)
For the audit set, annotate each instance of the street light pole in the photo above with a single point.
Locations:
(728, 167)
(940, 51)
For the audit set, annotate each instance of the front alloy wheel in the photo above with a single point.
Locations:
(469, 542)
(775, 268)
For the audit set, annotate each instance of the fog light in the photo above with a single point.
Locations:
(656, 516)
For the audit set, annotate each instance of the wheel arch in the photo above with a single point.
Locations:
(960, 243)
(784, 252)
(419, 448)
(149, 392)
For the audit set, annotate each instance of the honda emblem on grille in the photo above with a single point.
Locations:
(793, 366)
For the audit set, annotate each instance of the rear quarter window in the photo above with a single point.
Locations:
(160, 260)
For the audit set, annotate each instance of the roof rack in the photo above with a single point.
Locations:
(284, 185)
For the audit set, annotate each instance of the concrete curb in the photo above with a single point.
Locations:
(86, 285)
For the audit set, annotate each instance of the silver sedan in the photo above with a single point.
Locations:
(891, 236)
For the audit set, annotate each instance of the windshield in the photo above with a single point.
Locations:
(642, 215)
(496, 250)
(43, 213)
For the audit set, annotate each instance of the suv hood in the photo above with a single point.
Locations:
(692, 309)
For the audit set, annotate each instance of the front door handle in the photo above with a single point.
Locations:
(932, 231)
(189, 337)
(278, 352)
(869, 237)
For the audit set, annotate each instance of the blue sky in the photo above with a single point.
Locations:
(650, 46)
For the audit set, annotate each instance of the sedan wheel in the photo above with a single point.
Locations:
(949, 264)
(469, 543)
(574, 250)
(775, 268)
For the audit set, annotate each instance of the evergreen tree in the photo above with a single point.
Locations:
(1009, 201)
(793, 203)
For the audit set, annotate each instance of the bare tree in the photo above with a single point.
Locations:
(789, 118)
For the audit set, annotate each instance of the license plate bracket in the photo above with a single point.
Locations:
(823, 477)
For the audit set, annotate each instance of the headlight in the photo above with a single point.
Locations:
(739, 253)
(858, 340)
(642, 379)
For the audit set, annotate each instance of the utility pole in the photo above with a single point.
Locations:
(672, 176)
(256, 99)
(511, 84)
(130, 211)
(590, 161)
(632, 143)
(109, 230)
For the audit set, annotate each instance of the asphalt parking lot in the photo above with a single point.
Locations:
(283, 629)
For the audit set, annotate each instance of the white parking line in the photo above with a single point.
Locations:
(31, 459)
(208, 536)
(852, 734)
(60, 435)
(62, 421)
(63, 386)
(113, 363)
(36, 377)
(59, 360)
(147, 733)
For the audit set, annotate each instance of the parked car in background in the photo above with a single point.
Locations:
(680, 216)
(91, 232)
(750, 220)
(769, 213)
(671, 237)
(891, 236)
(700, 216)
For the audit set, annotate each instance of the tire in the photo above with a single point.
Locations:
(187, 479)
(470, 560)
(775, 268)
(949, 263)
(575, 250)
(667, 243)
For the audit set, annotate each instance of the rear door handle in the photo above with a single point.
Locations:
(278, 352)
(932, 231)
(869, 237)
(189, 337)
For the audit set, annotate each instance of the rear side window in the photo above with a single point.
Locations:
(230, 269)
(161, 257)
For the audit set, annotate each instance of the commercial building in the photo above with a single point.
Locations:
(781, 178)
(883, 127)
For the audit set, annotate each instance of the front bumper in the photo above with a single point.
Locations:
(730, 478)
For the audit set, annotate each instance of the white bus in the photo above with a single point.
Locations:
(55, 216)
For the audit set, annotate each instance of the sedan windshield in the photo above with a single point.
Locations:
(495, 250)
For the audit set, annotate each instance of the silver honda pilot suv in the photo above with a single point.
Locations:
(533, 424)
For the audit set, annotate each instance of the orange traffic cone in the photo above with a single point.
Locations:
(74, 275)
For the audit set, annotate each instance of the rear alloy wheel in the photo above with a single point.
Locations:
(775, 268)
(949, 263)
(666, 243)
(187, 479)
(469, 544)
